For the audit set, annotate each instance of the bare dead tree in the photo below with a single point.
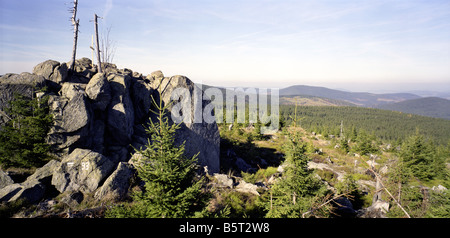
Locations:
(97, 44)
(389, 193)
(108, 47)
(75, 23)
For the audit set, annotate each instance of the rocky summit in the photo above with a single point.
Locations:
(98, 120)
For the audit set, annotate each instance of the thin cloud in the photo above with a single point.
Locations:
(251, 40)
(108, 7)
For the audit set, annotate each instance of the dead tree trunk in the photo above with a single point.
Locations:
(378, 188)
(381, 185)
(75, 23)
(97, 44)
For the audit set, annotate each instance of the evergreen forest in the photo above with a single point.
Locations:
(389, 126)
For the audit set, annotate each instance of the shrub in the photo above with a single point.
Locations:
(22, 139)
(260, 175)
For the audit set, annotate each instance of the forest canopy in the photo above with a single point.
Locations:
(386, 125)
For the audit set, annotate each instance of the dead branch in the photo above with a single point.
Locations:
(5, 115)
(325, 203)
(387, 191)
(108, 47)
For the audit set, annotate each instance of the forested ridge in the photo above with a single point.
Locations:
(428, 106)
(386, 125)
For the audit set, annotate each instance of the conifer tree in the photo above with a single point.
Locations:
(22, 139)
(418, 156)
(257, 131)
(364, 143)
(170, 187)
(299, 189)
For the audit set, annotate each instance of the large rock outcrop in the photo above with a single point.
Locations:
(106, 112)
(202, 137)
(98, 120)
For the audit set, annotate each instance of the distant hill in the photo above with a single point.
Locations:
(358, 98)
(429, 106)
(307, 100)
(425, 93)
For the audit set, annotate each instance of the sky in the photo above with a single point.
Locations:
(357, 45)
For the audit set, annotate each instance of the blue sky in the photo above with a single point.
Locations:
(371, 45)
